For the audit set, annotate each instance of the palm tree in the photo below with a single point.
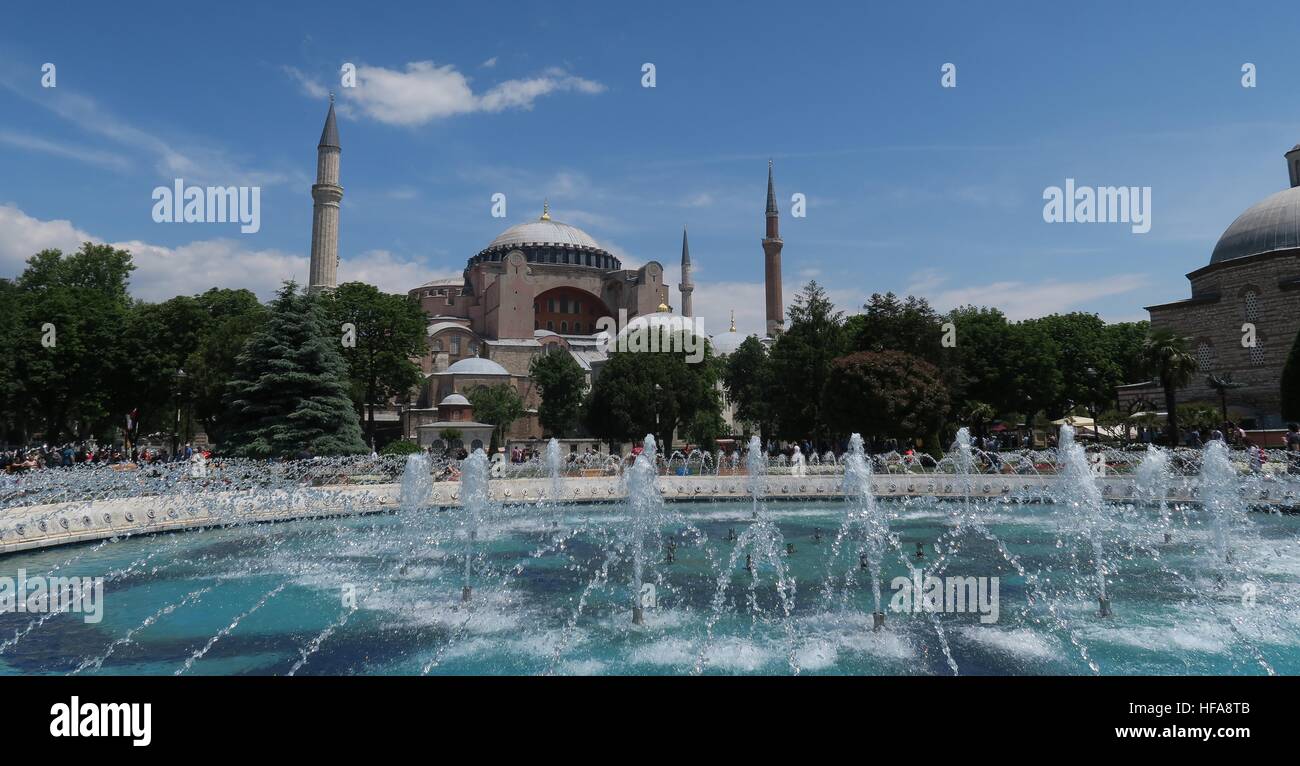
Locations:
(1165, 355)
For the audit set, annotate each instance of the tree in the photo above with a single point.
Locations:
(1291, 383)
(497, 405)
(561, 384)
(388, 330)
(290, 389)
(1088, 372)
(801, 364)
(748, 379)
(69, 366)
(889, 323)
(887, 394)
(983, 369)
(233, 316)
(660, 392)
(1165, 356)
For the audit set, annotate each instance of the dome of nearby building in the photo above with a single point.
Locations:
(476, 365)
(725, 343)
(661, 323)
(1269, 225)
(453, 400)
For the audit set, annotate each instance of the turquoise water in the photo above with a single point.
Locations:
(381, 594)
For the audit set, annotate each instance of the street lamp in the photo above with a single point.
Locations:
(176, 432)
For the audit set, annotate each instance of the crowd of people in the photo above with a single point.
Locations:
(46, 456)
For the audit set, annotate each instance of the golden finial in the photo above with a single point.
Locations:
(663, 304)
(733, 320)
(546, 210)
(331, 97)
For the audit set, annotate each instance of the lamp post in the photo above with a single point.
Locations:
(176, 432)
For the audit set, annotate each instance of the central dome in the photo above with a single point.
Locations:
(544, 233)
(547, 241)
(1269, 225)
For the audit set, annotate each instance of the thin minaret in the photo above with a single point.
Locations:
(772, 261)
(327, 194)
(687, 285)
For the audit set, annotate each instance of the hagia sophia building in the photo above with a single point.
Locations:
(538, 287)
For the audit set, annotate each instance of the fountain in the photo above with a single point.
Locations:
(401, 536)
(475, 501)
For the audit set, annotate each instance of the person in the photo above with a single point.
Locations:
(1293, 448)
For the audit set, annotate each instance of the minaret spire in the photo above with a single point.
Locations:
(772, 245)
(687, 285)
(326, 193)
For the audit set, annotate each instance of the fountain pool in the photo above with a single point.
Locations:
(552, 593)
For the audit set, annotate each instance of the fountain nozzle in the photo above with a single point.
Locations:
(1105, 606)
(920, 550)
(466, 594)
(638, 615)
(877, 621)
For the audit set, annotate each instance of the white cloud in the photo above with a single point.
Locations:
(422, 92)
(489, 63)
(163, 272)
(1024, 300)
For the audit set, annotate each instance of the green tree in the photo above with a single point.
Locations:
(389, 332)
(1291, 383)
(887, 394)
(801, 361)
(983, 369)
(290, 389)
(74, 384)
(748, 379)
(1088, 371)
(561, 383)
(497, 405)
(890, 323)
(233, 316)
(639, 393)
(1166, 357)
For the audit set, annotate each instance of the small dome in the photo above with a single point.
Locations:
(476, 365)
(658, 322)
(725, 343)
(1269, 225)
(453, 400)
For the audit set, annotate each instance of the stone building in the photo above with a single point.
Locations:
(1250, 287)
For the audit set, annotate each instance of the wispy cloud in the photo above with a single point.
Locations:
(197, 163)
(60, 149)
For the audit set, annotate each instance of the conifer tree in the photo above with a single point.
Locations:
(290, 390)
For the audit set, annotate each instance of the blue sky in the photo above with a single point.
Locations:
(910, 186)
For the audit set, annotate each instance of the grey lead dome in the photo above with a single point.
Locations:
(1269, 225)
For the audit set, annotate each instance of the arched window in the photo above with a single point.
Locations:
(1205, 358)
(1250, 303)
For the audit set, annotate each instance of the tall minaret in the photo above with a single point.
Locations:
(772, 261)
(325, 213)
(687, 285)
